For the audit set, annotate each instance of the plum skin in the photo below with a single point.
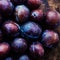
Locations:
(31, 30)
(49, 38)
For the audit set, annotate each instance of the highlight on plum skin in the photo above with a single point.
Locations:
(6, 7)
(21, 13)
(52, 17)
(4, 48)
(49, 38)
(31, 30)
(37, 15)
(10, 28)
(24, 57)
(36, 49)
(19, 45)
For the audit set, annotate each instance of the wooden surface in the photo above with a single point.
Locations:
(54, 4)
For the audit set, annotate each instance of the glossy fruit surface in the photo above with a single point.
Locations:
(31, 30)
(11, 28)
(37, 15)
(52, 18)
(36, 49)
(34, 4)
(6, 7)
(4, 48)
(24, 57)
(22, 13)
(49, 38)
(19, 45)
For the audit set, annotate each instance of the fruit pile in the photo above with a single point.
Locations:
(26, 30)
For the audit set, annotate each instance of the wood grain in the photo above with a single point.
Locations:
(54, 4)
